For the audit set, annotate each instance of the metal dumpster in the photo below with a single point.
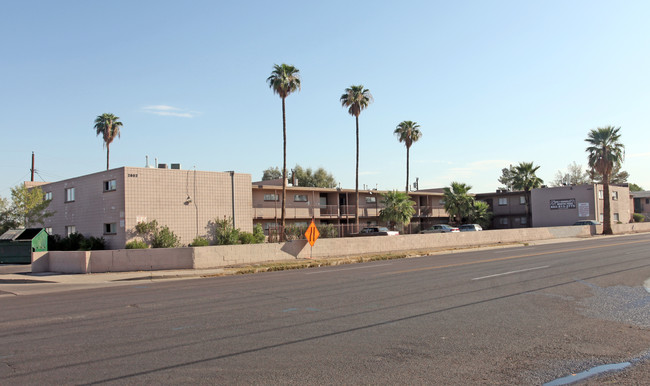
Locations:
(17, 245)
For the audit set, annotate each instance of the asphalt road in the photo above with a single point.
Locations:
(525, 315)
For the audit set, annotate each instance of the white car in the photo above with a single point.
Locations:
(377, 231)
(470, 228)
(441, 228)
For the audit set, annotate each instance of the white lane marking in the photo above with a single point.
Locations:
(347, 269)
(511, 272)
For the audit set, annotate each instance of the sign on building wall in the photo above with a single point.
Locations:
(583, 209)
(567, 203)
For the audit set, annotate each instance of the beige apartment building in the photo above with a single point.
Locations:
(336, 206)
(109, 204)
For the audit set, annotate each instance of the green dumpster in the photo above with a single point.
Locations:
(17, 245)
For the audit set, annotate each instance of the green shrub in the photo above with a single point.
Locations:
(200, 242)
(93, 244)
(225, 233)
(327, 231)
(295, 232)
(638, 217)
(136, 244)
(75, 242)
(157, 237)
(164, 238)
(247, 238)
(258, 232)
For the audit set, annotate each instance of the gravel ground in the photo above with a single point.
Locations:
(623, 304)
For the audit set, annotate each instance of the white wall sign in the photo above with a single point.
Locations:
(583, 209)
(567, 203)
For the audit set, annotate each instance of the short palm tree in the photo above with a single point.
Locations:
(524, 178)
(604, 153)
(408, 132)
(108, 125)
(398, 208)
(458, 202)
(356, 99)
(284, 80)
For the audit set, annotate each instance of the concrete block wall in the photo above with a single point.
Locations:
(221, 256)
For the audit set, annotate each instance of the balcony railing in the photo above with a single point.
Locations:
(306, 211)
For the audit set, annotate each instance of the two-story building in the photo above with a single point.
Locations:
(641, 203)
(109, 204)
(556, 206)
(336, 206)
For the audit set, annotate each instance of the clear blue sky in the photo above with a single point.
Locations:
(491, 83)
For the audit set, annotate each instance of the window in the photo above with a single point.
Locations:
(522, 200)
(371, 200)
(503, 221)
(602, 217)
(70, 229)
(647, 200)
(271, 197)
(614, 196)
(48, 195)
(270, 225)
(441, 202)
(48, 230)
(600, 195)
(109, 186)
(616, 217)
(110, 228)
(69, 195)
(300, 197)
(503, 201)
(523, 220)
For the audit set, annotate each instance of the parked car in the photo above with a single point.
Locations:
(470, 228)
(441, 228)
(586, 222)
(377, 231)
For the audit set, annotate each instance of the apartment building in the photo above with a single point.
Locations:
(565, 205)
(508, 209)
(641, 203)
(109, 204)
(556, 206)
(335, 206)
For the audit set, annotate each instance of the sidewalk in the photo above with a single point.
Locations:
(18, 279)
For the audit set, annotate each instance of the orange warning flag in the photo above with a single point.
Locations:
(312, 233)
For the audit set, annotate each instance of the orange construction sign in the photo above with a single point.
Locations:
(312, 233)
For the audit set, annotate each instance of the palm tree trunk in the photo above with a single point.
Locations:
(607, 210)
(107, 154)
(356, 184)
(284, 170)
(407, 170)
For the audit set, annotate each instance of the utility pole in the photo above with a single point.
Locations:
(32, 169)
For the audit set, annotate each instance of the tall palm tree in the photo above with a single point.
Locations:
(408, 132)
(524, 178)
(284, 80)
(604, 153)
(108, 125)
(356, 99)
(458, 202)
